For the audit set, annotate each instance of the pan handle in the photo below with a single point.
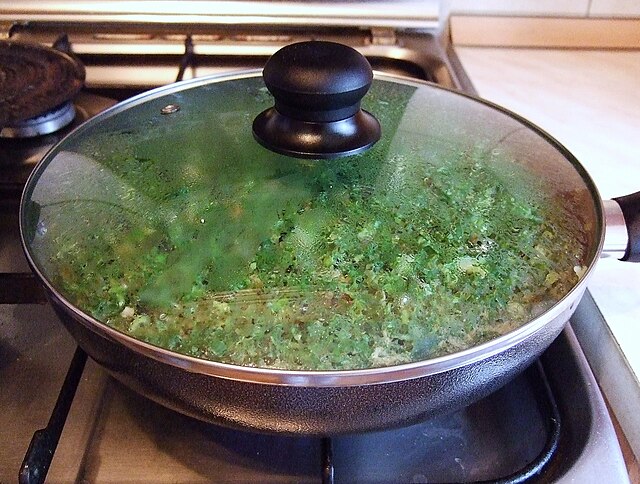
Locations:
(622, 216)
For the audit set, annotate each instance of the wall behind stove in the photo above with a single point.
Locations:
(549, 8)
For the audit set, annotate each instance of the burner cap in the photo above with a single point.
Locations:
(35, 79)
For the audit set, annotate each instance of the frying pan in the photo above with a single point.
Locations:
(97, 177)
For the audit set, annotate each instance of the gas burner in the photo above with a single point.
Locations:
(47, 123)
(36, 80)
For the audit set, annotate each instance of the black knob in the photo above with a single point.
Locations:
(317, 88)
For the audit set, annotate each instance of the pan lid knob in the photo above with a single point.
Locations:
(317, 88)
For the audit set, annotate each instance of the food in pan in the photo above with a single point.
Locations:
(338, 270)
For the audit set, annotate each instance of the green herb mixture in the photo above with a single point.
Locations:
(347, 272)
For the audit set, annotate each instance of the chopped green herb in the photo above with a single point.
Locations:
(350, 272)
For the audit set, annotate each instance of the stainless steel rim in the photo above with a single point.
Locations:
(337, 378)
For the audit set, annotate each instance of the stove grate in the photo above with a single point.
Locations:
(45, 441)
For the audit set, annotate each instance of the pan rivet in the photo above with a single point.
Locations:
(170, 109)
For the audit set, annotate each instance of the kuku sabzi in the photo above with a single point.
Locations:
(362, 272)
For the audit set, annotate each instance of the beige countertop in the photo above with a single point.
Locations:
(590, 101)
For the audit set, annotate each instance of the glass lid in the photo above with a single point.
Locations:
(165, 219)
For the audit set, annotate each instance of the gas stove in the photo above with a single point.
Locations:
(550, 424)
